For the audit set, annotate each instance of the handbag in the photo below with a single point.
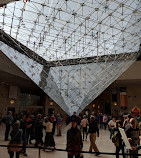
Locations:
(13, 146)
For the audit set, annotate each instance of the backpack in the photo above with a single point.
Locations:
(115, 139)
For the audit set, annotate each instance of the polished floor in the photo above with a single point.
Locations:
(103, 143)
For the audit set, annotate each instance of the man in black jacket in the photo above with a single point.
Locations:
(74, 139)
(93, 129)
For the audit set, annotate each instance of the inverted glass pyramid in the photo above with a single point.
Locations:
(86, 45)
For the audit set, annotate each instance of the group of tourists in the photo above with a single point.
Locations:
(130, 124)
(27, 126)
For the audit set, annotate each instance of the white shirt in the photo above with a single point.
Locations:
(48, 126)
(112, 124)
(84, 122)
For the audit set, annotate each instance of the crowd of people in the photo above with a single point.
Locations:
(29, 126)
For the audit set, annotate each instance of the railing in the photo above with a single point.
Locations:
(64, 150)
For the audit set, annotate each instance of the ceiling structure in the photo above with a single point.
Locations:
(83, 45)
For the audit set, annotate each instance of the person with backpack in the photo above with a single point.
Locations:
(15, 144)
(117, 140)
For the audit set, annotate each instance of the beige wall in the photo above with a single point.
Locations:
(133, 72)
(133, 96)
(5, 100)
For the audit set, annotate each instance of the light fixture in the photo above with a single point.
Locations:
(93, 105)
(115, 103)
(12, 101)
(26, 1)
(98, 106)
(51, 103)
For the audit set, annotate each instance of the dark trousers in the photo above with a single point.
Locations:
(24, 144)
(71, 156)
(7, 131)
(49, 140)
(84, 132)
(133, 152)
(11, 153)
(112, 131)
(53, 129)
(105, 125)
(118, 148)
(28, 136)
(38, 139)
(101, 124)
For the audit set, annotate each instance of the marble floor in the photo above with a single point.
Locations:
(103, 143)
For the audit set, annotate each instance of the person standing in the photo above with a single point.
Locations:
(133, 134)
(8, 121)
(49, 140)
(101, 120)
(74, 139)
(126, 122)
(59, 124)
(93, 129)
(28, 122)
(38, 130)
(16, 140)
(53, 120)
(23, 127)
(119, 142)
(84, 124)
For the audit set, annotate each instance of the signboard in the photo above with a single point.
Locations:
(123, 97)
(124, 137)
(136, 111)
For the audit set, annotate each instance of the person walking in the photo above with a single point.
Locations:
(74, 139)
(105, 121)
(84, 124)
(8, 121)
(112, 126)
(93, 129)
